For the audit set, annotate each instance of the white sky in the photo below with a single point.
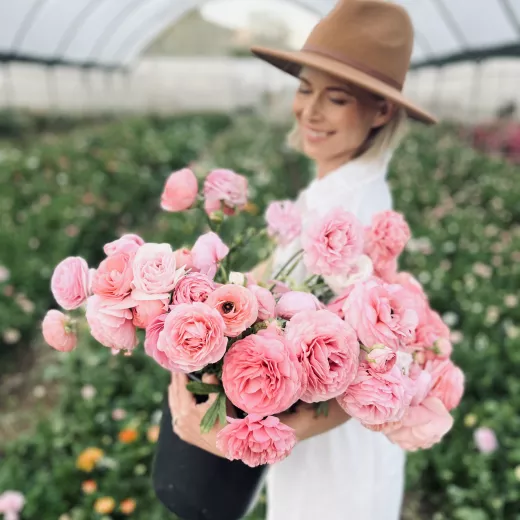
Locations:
(235, 14)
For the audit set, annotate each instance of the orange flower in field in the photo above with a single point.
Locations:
(127, 506)
(128, 435)
(89, 486)
(88, 459)
(153, 433)
(104, 505)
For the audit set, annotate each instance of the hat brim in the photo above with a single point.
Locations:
(291, 62)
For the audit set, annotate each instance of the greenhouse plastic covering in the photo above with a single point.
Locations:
(113, 33)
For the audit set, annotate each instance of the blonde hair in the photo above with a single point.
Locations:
(379, 142)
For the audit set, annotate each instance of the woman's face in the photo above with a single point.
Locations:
(334, 117)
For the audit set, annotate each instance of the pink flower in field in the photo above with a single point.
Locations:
(58, 331)
(266, 301)
(118, 414)
(70, 282)
(328, 350)
(485, 439)
(293, 302)
(183, 259)
(422, 426)
(284, 221)
(376, 398)
(194, 287)
(227, 188)
(261, 374)
(111, 323)
(11, 504)
(147, 310)
(128, 244)
(380, 313)
(192, 337)
(113, 278)
(207, 252)
(155, 272)
(447, 382)
(332, 243)
(237, 305)
(386, 239)
(180, 191)
(256, 441)
(380, 359)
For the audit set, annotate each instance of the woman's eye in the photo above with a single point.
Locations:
(338, 101)
(303, 90)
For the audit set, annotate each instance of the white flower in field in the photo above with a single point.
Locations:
(39, 391)
(12, 336)
(4, 274)
(88, 392)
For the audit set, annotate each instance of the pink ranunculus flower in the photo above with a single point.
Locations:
(111, 323)
(256, 441)
(380, 359)
(447, 382)
(284, 221)
(332, 243)
(70, 282)
(485, 439)
(293, 302)
(194, 287)
(147, 310)
(58, 331)
(337, 304)
(328, 350)
(279, 288)
(386, 238)
(266, 302)
(359, 270)
(128, 243)
(261, 374)
(113, 277)
(422, 426)
(376, 398)
(380, 313)
(422, 384)
(11, 504)
(237, 305)
(155, 272)
(180, 191)
(225, 187)
(207, 252)
(184, 259)
(193, 337)
(152, 337)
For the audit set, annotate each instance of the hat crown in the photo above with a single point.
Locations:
(371, 34)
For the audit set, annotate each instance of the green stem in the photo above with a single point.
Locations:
(282, 269)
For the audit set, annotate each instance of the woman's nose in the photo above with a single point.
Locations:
(313, 109)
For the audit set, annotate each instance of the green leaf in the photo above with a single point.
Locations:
(322, 409)
(222, 409)
(203, 388)
(211, 416)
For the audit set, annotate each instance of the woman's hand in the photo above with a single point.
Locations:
(187, 414)
(306, 424)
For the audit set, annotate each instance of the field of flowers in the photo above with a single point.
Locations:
(89, 454)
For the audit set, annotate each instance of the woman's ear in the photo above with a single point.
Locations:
(385, 111)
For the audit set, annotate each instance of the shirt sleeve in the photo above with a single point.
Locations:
(376, 198)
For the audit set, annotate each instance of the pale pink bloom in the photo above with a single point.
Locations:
(193, 337)
(58, 331)
(88, 392)
(180, 191)
(266, 301)
(194, 287)
(337, 304)
(485, 439)
(447, 382)
(422, 384)
(237, 305)
(225, 187)
(184, 259)
(380, 358)
(430, 329)
(256, 441)
(113, 278)
(207, 252)
(293, 302)
(152, 337)
(70, 282)
(380, 313)
(155, 272)
(128, 243)
(328, 350)
(376, 398)
(284, 221)
(422, 426)
(386, 238)
(332, 243)
(111, 324)
(11, 504)
(118, 414)
(359, 270)
(147, 310)
(261, 374)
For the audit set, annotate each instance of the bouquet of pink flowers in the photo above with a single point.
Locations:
(355, 329)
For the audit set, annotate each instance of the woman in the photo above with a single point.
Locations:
(350, 115)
